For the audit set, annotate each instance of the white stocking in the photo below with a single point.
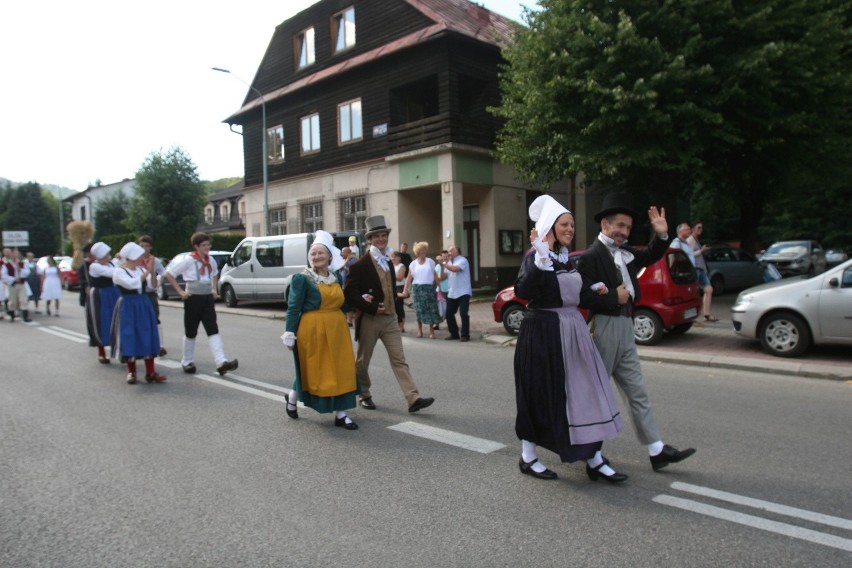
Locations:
(188, 352)
(217, 349)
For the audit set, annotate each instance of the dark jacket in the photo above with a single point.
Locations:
(540, 287)
(363, 279)
(597, 265)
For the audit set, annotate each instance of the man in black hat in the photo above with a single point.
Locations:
(614, 264)
(370, 289)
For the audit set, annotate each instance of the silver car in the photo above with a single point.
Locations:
(793, 258)
(789, 315)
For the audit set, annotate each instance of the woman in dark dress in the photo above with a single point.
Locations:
(565, 402)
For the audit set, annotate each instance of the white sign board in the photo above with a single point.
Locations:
(16, 238)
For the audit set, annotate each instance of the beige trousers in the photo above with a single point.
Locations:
(384, 328)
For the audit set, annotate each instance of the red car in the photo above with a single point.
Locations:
(670, 300)
(70, 278)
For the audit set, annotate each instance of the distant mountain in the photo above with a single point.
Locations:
(57, 191)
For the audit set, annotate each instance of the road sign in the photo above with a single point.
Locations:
(16, 238)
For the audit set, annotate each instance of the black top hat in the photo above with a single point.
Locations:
(614, 203)
(375, 224)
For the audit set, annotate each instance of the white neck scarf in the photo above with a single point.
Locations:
(319, 278)
(382, 257)
(621, 258)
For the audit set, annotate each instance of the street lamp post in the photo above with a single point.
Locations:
(264, 157)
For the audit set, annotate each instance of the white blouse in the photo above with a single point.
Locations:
(422, 273)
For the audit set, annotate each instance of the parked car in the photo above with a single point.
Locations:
(669, 301)
(69, 276)
(166, 291)
(789, 315)
(260, 268)
(833, 257)
(731, 268)
(793, 258)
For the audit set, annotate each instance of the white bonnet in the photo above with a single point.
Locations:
(131, 251)
(544, 211)
(324, 238)
(100, 250)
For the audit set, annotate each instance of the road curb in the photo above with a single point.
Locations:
(780, 367)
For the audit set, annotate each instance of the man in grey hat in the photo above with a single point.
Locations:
(369, 288)
(611, 262)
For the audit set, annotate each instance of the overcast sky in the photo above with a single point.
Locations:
(91, 88)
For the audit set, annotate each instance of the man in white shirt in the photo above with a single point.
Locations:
(14, 274)
(458, 297)
(201, 275)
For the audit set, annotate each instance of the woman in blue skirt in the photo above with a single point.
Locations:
(135, 333)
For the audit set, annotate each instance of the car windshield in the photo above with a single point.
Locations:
(791, 248)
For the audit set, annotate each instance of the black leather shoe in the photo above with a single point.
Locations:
(450, 338)
(595, 472)
(162, 352)
(420, 404)
(367, 403)
(464, 338)
(670, 455)
(526, 469)
(341, 423)
(227, 366)
(294, 414)
(189, 369)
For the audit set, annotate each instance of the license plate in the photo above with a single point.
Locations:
(690, 313)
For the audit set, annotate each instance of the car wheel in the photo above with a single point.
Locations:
(785, 334)
(718, 283)
(647, 327)
(229, 296)
(681, 328)
(513, 315)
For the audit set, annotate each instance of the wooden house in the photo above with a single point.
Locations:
(381, 107)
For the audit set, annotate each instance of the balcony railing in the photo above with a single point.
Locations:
(440, 129)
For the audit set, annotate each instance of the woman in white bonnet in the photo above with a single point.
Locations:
(318, 335)
(565, 402)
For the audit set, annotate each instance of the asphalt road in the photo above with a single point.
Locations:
(203, 471)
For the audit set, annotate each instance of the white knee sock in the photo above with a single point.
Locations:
(217, 349)
(596, 461)
(188, 351)
(655, 448)
(342, 414)
(291, 397)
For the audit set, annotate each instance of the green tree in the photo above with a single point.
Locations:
(169, 199)
(673, 98)
(111, 215)
(29, 211)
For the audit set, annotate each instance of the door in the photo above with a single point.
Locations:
(470, 242)
(269, 269)
(241, 272)
(835, 306)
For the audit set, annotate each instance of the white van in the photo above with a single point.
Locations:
(260, 268)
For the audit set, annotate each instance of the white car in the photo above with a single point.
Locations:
(789, 315)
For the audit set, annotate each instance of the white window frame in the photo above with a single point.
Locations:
(311, 214)
(309, 133)
(349, 122)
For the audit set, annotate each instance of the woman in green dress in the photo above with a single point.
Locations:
(318, 335)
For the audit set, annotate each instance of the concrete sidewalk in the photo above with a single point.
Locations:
(713, 345)
(707, 345)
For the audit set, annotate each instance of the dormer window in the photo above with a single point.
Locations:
(343, 29)
(303, 46)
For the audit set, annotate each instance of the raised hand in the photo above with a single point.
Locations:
(658, 220)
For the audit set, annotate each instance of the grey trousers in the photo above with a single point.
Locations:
(614, 338)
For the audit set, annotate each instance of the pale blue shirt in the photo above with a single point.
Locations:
(685, 247)
(459, 282)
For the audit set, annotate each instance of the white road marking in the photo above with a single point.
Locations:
(756, 522)
(764, 505)
(448, 437)
(258, 383)
(61, 334)
(69, 332)
(221, 382)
